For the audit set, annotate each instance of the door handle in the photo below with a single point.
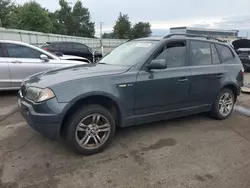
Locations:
(219, 75)
(16, 62)
(183, 79)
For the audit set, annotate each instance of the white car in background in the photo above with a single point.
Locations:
(19, 60)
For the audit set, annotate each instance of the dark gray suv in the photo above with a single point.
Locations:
(142, 80)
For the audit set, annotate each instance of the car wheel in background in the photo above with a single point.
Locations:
(90, 129)
(224, 104)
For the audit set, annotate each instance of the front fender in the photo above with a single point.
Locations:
(92, 94)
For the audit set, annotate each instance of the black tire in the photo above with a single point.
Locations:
(75, 119)
(215, 113)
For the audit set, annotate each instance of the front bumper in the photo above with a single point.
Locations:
(41, 117)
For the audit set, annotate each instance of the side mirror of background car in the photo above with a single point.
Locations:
(157, 64)
(44, 57)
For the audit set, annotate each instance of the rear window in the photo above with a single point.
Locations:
(224, 52)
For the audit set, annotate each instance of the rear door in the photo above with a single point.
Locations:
(4, 70)
(230, 68)
(204, 76)
(23, 62)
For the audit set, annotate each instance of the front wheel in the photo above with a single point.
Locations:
(90, 129)
(224, 104)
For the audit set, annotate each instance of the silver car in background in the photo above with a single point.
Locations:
(19, 60)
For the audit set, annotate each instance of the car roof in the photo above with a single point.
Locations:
(14, 42)
(61, 42)
(183, 36)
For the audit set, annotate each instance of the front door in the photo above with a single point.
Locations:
(23, 62)
(163, 91)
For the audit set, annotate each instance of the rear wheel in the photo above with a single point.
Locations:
(90, 129)
(224, 104)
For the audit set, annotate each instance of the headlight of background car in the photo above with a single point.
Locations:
(38, 94)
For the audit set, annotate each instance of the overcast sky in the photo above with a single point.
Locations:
(163, 14)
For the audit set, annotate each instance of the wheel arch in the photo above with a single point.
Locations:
(235, 89)
(101, 98)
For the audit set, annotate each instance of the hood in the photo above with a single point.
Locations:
(55, 76)
(241, 43)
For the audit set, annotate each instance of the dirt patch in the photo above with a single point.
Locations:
(244, 100)
(160, 144)
(12, 119)
(8, 98)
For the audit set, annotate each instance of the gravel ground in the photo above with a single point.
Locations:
(191, 152)
(244, 99)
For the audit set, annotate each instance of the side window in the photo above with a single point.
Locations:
(215, 55)
(55, 45)
(19, 51)
(63, 46)
(224, 52)
(70, 46)
(200, 53)
(174, 53)
(80, 47)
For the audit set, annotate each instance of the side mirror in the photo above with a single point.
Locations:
(157, 64)
(44, 57)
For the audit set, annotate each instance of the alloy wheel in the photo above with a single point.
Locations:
(92, 131)
(226, 104)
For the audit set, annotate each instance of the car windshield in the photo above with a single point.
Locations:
(129, 53)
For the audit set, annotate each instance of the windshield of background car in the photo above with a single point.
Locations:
(129, 53)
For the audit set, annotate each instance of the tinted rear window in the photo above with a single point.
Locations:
(224, 52)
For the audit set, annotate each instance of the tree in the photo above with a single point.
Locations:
(33, 17)
(5, 7)
(57, 27)
(83, 26)
(13, 17)
(122, 27)
(141, 29)
(65, 18)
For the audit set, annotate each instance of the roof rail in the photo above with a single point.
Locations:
(191, 35)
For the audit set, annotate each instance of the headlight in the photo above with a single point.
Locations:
(38, 94)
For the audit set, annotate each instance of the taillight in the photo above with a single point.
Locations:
(46, 49)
